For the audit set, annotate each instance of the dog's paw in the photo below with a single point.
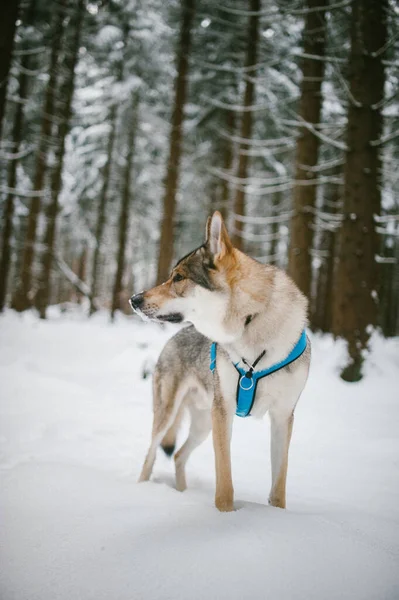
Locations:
(277, 502)
(224, 504)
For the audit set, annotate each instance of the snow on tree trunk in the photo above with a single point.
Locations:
(356, 284)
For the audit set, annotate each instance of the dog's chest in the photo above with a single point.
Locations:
(277, 391)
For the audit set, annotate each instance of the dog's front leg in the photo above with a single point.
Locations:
(222, 421)
(281, 431)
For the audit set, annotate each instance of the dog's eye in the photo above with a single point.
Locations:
(177, 277)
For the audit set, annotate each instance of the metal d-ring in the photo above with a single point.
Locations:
(246, 388)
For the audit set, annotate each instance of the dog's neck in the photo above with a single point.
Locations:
(271, 318)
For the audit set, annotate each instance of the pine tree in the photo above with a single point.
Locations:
(124, 211)
(64, 114)
(23, 295)
(246, 119)
(8, 20)
(165, 254)
(354, 309)
(17, 133)
(301, 238)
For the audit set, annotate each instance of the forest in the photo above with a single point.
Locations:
(125, 123)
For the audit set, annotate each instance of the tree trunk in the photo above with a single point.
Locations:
(11, 183)
(355, 309)
(17, 134)
(82, 268)
(9, 10)
(124, 214)
(321, 314)
(247, 120)
(66, 96)
(307, 147)
(101, 216)
(228, 158)
(22, 297)
(274, 229)
(172, 169)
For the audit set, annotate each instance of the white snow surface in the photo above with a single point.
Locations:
(75, 424)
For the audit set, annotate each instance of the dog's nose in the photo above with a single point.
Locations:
(137, 300)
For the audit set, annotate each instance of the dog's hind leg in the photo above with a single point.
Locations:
(200, 428)
(281, 431)
(166, 407)
(168, 443)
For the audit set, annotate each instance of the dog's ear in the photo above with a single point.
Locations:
(217, 238)
(207, 229)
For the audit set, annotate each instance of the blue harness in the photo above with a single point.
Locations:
(248, 380)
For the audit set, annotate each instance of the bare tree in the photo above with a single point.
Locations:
(172, 169)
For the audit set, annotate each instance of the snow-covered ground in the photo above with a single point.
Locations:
(75, 423)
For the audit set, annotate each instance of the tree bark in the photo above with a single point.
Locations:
(307, 147)
(9, 10)
(228, 158)
(246, 121)
(172, 170)
(274, 229)
(22, 297)
(124, 213)
(82, 268)
(320, 317)
(355, 309)
(66, 95)
(17, 136)
(101, 216)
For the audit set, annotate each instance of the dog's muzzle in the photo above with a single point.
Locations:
(137, 301)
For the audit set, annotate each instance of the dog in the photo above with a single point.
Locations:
(253, 312)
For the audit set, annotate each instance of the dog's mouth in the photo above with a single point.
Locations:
(151, 316)
(171, 318)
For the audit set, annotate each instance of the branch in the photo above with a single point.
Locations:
(264, 220)
(80, 285)
(321, 136)
(16, 155)
(330, 59)
(7, 190)
(385, 138)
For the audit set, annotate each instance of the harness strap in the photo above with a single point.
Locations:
(248, 380)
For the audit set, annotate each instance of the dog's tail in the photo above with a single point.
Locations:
(168, 443)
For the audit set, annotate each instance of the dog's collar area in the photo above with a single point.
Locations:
(248, 380)
(251, 369)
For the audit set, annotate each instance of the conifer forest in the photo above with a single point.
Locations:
(125, 123)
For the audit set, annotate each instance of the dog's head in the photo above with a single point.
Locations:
(199, 287)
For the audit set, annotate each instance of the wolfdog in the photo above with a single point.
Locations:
(242, 313)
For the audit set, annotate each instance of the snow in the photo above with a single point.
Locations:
(74, 428)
